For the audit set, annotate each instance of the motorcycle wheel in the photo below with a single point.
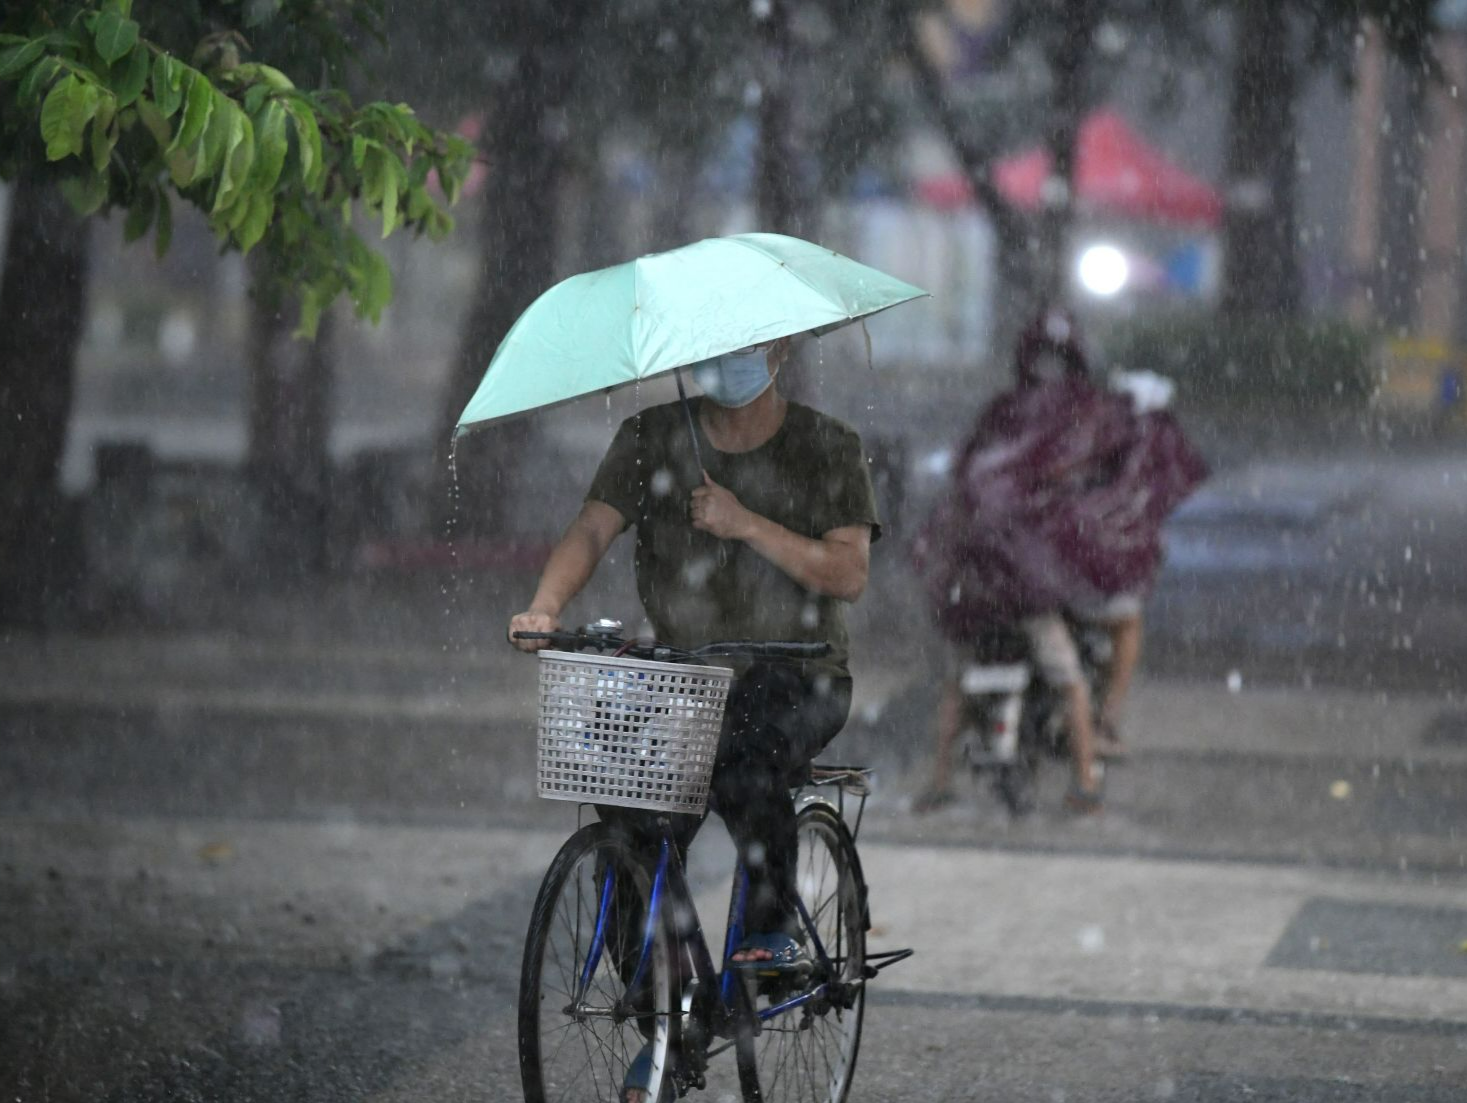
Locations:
(1017, 785)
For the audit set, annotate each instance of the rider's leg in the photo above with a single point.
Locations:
(949, 716)
(949, 720)
(1082, 736)
(1125, 642)
(1054, 653)
(642, 833)
(777, 721)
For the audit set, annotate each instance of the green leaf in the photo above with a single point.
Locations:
(69, 106)
(418, 204)
(183, 166)
(378, 288)
(85, 192)
(167, 85)
(308, 144)
(104, 133)
(359, 147)
(275, 78)
(153, 119)
(252, 229)
(140, 214)
(310, 314)
(129, 78)
(219, 136)
(254, 97)
(239, 154)
(374, 174)
(114, 35)
(16, 58)
(392, 183)
(199, 106)
(34, 82)
(165, 224)
(272, 146)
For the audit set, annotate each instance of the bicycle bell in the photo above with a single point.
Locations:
(604, 627)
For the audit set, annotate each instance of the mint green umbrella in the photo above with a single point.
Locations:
(618, 325)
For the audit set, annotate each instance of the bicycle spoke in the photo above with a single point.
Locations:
(806, 1054)
(576, 1044)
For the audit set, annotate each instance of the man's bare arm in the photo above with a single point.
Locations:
(835, 565)
(568, 569)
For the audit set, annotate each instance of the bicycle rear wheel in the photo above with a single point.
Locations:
(808, 1053)
(579, 1026)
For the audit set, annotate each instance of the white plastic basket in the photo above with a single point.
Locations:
(629, 732)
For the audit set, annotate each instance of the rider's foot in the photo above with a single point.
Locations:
(772, 954)
(1085, 802)
(639, 1076)
(930, 800)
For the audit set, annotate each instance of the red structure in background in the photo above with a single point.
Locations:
(1117, 173)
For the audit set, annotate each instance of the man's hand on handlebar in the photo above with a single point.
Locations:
(532, 621)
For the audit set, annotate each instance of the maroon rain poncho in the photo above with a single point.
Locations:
(1057, 500)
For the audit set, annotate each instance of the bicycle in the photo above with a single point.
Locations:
(615, 961)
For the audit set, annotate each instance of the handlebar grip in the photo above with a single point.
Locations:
(570, 639)
(769, 649)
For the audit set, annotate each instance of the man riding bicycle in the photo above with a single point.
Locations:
(772, 542)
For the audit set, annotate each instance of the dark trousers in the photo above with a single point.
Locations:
(779, 717)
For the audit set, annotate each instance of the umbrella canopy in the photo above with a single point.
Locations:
(635, 320)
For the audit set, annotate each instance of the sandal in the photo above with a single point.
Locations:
(788, 958)
(1109, 745)
(930, 800)
(639, 1075)
(1085, 802)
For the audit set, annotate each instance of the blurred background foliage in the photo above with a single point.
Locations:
(600, 130)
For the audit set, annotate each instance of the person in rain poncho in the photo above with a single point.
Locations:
(772, 543)
(1056, 506)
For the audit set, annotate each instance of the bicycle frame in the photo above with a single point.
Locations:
(669, 883)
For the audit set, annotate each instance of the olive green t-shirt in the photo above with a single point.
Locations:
(809, 477)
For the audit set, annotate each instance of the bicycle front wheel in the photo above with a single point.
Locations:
(808, 1052)
(584, 1014)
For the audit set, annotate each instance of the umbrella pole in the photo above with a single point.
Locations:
(688, 412)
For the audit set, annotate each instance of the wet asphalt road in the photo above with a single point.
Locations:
(202, 904)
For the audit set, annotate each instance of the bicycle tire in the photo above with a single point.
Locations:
(810, 1053)
(584, 1057)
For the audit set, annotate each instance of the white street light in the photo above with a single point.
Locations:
(1104, 270)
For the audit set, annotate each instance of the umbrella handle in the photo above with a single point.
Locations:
(688, 412)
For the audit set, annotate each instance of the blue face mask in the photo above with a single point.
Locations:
(734, 379)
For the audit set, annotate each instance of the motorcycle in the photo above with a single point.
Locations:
(1011, 718)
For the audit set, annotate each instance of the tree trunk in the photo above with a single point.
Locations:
(289, 433)
(1260, 252)
(42, 315)
(784, 196)
(1015, 280)
(517, 236)
(1068, 64)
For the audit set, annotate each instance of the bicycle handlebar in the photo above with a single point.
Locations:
(756, 649)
